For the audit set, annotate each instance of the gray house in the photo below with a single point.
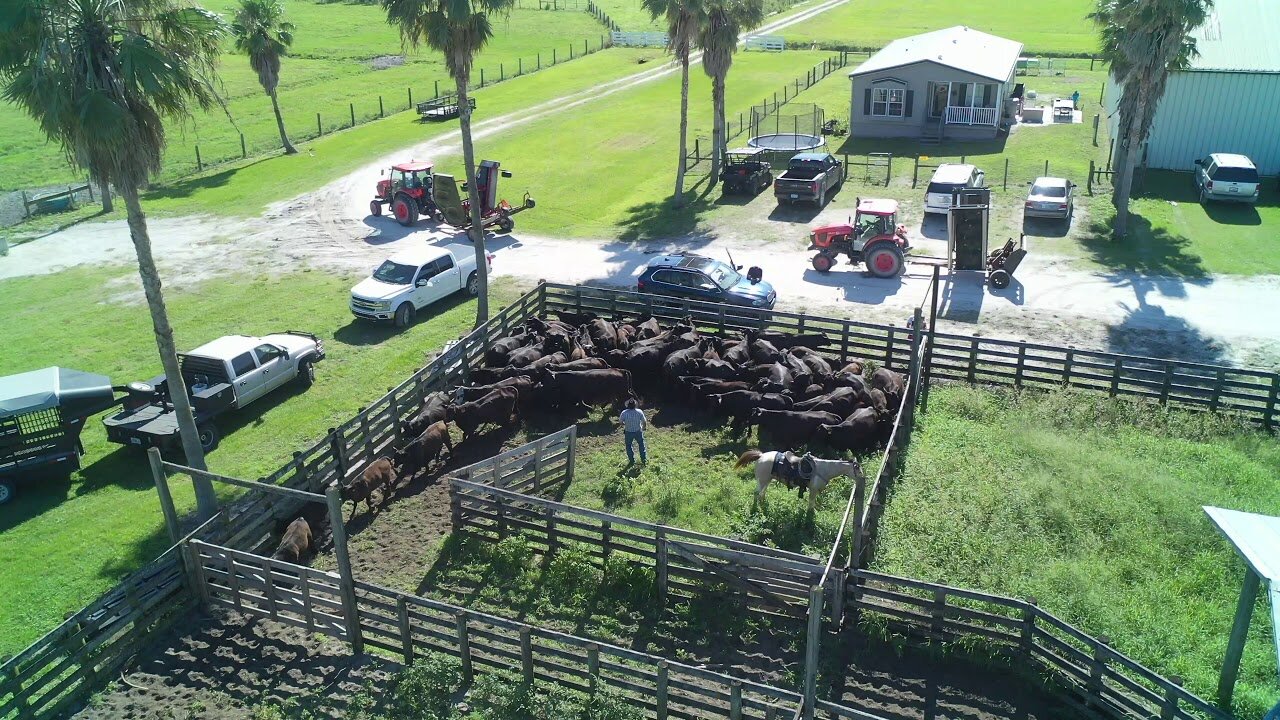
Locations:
(1228, 100)
(951, 83)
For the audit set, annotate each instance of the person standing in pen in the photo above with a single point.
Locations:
(633, 425)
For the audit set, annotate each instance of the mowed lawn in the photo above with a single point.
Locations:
(332, 67)
(1093, 507)
(1050, 27)
(62, 544)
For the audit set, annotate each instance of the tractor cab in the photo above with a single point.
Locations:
(407, 191)
(872, 234)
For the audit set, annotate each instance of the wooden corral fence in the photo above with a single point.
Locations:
(410, 625)
(67, 664)
(768, 578)
(1099, 680)
(537, 468)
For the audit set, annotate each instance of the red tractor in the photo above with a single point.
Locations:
(408, 192)
(873, 236)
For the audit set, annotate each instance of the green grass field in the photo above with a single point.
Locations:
(85, 535)
(1093, 507)
(1052, 27)
(331, 67)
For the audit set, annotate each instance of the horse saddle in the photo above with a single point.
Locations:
(794, 470)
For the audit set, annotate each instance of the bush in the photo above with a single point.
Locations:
(572, 575)
(618, 490)
(510, 556)
(608, 705)
(628, 582)
(424, 690)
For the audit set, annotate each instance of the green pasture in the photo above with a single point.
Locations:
(331, 69)
(64, 543)
(1052, 27)
(1093, 507)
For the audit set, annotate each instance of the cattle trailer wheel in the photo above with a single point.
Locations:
(885, 261)
(375, 208)
(306, 373)
(823, 262)
(473, 284)
(406, 211)
(1000, 279)
(208, 434)
(404, 314)
(7, 491)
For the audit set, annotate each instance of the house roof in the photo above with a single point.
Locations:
(1239, 36)
(958, 47)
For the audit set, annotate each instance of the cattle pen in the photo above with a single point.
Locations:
(221, 561)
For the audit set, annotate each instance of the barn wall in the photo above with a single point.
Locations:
(1205, 112)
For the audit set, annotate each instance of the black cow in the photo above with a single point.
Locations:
(840, 401)
(890, 383)
(498, 408)
(590, 387)
(859, 431)
(431, 412)
(424, 449)
(788, 428)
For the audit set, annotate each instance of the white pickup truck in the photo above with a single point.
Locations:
(223, 375)
(413, 279)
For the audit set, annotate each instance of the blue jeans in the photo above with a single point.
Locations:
(635, 437)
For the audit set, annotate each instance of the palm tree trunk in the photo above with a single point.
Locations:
(104, 188)
(284, 138)
(718, 140)
(473, 194)
(206, 501)
(1125, 187)
(684, 126)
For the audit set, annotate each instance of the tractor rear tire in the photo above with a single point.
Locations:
(404, 315)
(1000, 279)
(405, 210)
(822, 262)
(885, 261)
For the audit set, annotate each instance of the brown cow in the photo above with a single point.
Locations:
(498, 407)
(431, 412)
(590, 387)
(790, 429)
(859, 431)
(379, 475)
(296, 542)
(424, 449)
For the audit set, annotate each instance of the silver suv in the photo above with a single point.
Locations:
(1226, 176)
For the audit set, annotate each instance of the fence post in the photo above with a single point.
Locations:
(348, 588)
(26, 207)
(553, 56)
(735, 700)
(319, 129)
(197, 580)
(593, 666)
(339, 453)
(406, 631)
(811, 651)
(938, 612)
(1168, 381)
(464, 645)
(382, 112)
(199, 163)
(1022, 361)
(1269, 419)
(502, 72)
(1046, 167)
(1096, 668)
(1005, 184)
(859, 509)
(915, 173)
(539, 60)
(166, 499)
(1028, 637)
(552, 543)
(661, 700)
(1066, 365)
(660, 572)
(927, 371)
(410, 99)
(519, 66)
(1169, 709)
(352, 106)
(244, 153)
(526, 654)
(1096, 119)
(973, 358)
(1089, 183)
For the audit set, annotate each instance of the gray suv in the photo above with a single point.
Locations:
(1226, 176)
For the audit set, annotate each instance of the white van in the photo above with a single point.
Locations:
(947, 179)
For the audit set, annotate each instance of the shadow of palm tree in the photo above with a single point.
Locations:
(1147, 250)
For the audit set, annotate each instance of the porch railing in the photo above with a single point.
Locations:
(972, 115)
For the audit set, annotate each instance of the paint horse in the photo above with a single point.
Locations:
(805, 472)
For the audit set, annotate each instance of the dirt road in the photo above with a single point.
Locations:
(330, 228)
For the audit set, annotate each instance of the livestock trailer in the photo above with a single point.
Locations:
(41, 415)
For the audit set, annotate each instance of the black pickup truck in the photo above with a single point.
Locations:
(809, 178)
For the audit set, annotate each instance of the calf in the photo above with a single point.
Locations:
(590, 387)
(890, 383)
(424, 449)
(431, 412)
(296, 542)
(860, 431)
(498, 408)
(379, 475)
(790, 429)
(525, 356)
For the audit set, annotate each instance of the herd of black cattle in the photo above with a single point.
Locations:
(781, 382)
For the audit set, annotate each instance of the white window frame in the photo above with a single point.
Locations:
(883, 102)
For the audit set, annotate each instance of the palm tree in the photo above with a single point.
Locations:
(262, 33)
(458, 29)
(1143, 40)
(683, 18)
(718, 38)
(100, 77)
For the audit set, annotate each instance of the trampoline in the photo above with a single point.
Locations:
(787, 141)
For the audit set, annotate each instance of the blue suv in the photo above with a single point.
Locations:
(696, 277)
